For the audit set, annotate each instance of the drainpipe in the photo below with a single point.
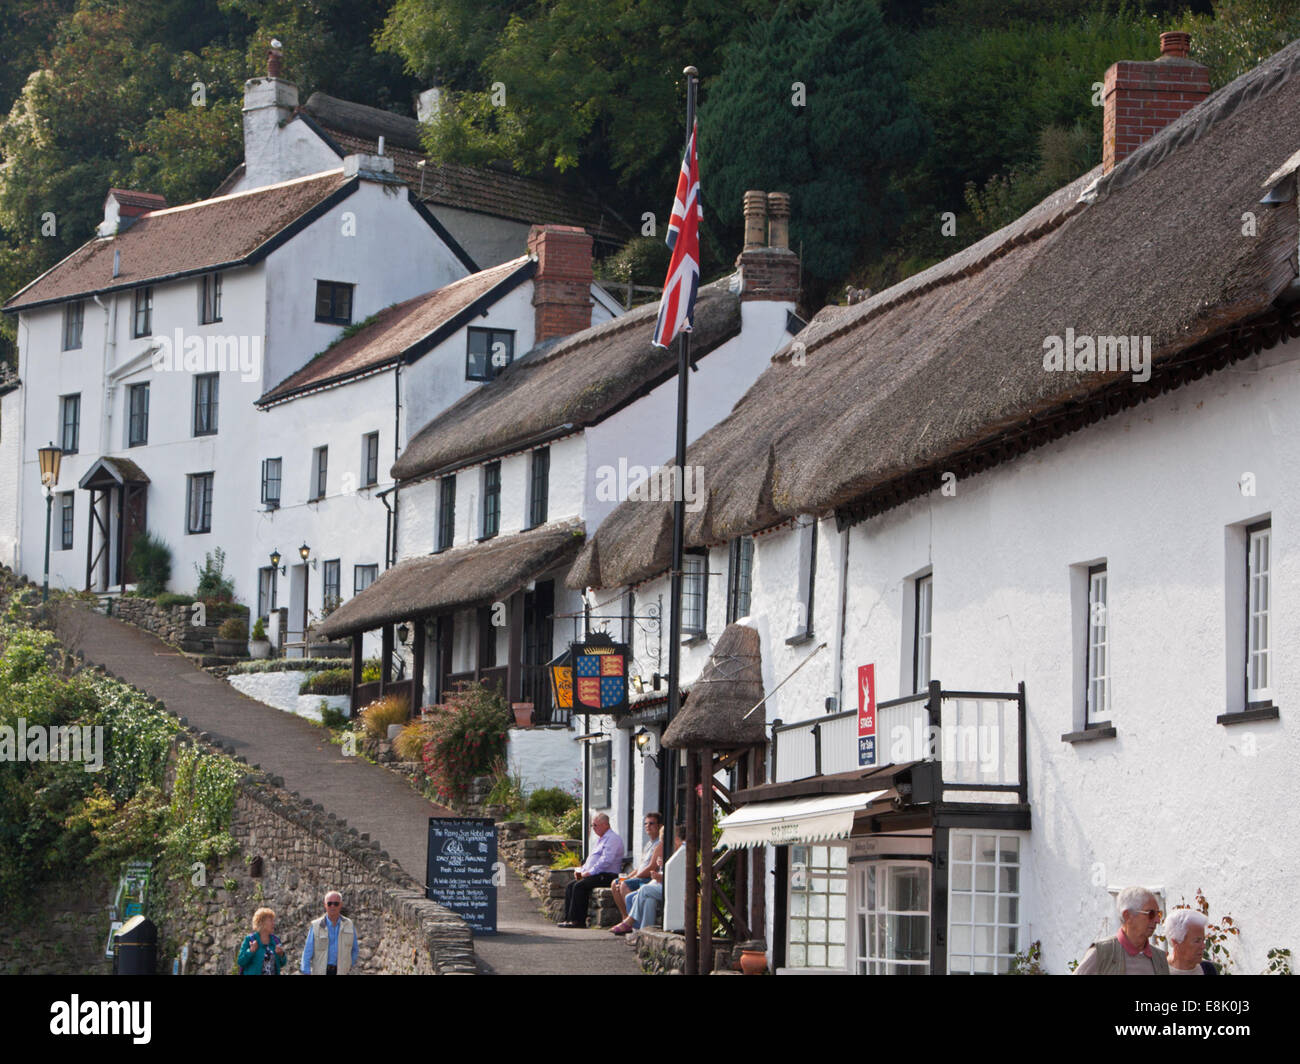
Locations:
(838, 656)
(397, 450)
(110, 347)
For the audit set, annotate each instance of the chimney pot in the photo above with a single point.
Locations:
(274, 60)
(755, 219)
(778, 219)
(1176, 44)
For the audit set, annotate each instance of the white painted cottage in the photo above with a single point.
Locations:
(495, 495)
(1026, 627)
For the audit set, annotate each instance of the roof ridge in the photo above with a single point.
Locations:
(338, 171)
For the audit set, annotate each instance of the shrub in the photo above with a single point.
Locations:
(233, 628)
(550, 802)
(507, 790)
(467, 739)
(565, 858)
(370, 673)
(151, 561)
(213, 582)
(409, 745)
(332, 718)
(259, 631)
(168, 599)
(327, 682)
(570, 824)
(376, 717)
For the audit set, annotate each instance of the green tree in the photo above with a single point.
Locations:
(817, 107)
(1241, 35)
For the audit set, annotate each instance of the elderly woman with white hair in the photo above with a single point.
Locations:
(1185, 930)
(1129, 952)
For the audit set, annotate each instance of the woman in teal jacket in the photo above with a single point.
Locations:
(261, 953)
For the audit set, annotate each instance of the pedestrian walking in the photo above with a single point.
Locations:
(262, 952)
(332, 945)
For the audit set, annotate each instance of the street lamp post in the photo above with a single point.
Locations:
(50, 458)
(304, 552)
(275, 571)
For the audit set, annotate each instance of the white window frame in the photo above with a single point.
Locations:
(969, 868)
(1097, 657)
(695, 585)
(1259, 606)
(862, 958)
(801, 879)
(922, 628)
(320, 468)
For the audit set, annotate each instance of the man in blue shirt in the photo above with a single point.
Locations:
(340, 957)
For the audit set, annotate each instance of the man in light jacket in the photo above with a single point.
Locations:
(1129, 952)
(332, 945)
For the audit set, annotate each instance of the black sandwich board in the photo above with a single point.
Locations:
(462, 863)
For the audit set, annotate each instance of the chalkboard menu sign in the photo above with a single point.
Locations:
(461, 867)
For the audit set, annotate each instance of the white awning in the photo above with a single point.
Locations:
(798, 820)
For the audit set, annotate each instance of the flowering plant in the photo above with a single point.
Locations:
(467, 736)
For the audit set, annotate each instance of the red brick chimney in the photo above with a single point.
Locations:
(768, 268)
(1143, 97)
(562, 284)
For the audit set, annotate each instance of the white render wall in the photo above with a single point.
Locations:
(544, 757)
(1176, 801)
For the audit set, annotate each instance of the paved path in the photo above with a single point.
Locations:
(372, 799)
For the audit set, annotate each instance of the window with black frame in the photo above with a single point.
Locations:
(138, 421)
(446, 512)
(491, 499)
(74, 317)
(70, 423)
(921, 632)
(334, 302)
(489, 352)
(370, 458)
(271, 482)
(363, 576)
(539, 487)
(142, 320)
(210, 299)
(320, 472)
(330, 598)
(198, 504)
(67, 513)
(205, 404)
(740, 578)
(695, 594)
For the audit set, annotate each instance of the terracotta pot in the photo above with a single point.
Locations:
(523, 714)
(753, 962)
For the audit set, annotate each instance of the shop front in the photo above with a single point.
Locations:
(913, 868)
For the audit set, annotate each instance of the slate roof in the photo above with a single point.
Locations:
(356, 128)
(404, 331)
(219, 233)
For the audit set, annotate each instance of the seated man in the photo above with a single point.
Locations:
(598, 870)
(625, 887)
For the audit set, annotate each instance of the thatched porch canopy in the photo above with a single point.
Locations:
(467, 576)
(728, 688)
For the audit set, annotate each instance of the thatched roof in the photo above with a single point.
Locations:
(728, 688)
(565, 385)
(945, 370)
(472, 575)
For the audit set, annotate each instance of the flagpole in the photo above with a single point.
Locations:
(675, 610)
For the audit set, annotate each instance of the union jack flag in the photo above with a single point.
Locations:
(677, 306)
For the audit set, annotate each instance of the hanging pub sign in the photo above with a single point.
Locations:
(866, 715)
(599, 675)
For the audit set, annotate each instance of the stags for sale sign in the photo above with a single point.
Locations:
(866, 715)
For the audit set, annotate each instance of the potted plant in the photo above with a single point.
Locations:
(258, 645)
(232, 638)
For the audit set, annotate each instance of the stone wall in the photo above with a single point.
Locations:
(67, 936)
(172, 625)
(291, 853)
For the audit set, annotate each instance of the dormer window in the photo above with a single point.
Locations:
(334, 302)
(489, 352)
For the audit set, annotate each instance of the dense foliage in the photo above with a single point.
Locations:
(466, 738)
(915, 108)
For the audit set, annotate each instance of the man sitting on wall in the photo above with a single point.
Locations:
(1129, 952)
(599, 869)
